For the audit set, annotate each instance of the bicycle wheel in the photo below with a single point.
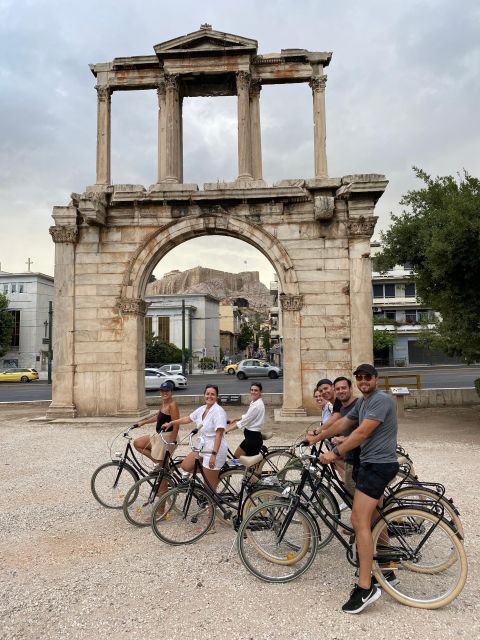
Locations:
(283, 464)
(141, 497)
(110, 483)
(429, 560)
(424, 496)
(325, 502)
(183, 515)
(229, 486)
(273, 545)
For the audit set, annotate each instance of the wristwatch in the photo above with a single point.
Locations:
(214, 453)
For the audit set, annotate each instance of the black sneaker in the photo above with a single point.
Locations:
(390, 576)
(360, 599)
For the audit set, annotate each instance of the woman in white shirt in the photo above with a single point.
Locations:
(212, 422)
(252, 424)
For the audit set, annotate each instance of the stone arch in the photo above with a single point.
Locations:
(158, 244)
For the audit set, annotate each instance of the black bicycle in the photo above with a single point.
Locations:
(278, 541)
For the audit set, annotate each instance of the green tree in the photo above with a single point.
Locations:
(159, 351)
(438, 233)
(245, 337)
(382, 339)
(6, 325)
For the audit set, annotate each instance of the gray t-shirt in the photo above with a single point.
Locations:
(381, 446)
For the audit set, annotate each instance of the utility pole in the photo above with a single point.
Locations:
(50, 352)
(183, 336)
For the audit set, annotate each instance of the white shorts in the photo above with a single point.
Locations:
(220, 459)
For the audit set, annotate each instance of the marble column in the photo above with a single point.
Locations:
(162, 131)
(103, 135)
(359, 232)
(292, 364)
(244, 128)
(63, 380)
(131, 401)
(319, 125)
(180, 135)
(173, 129)
(255, 129)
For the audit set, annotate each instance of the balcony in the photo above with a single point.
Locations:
(273, 311)
(274, 286)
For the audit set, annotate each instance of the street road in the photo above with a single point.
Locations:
(431, 378)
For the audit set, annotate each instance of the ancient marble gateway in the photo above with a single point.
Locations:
(315, 231)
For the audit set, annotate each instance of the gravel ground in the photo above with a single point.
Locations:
(72, 569)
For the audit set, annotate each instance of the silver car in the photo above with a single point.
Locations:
(155, 377)
(255, 368)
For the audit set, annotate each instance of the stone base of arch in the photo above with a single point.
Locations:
(316, 234)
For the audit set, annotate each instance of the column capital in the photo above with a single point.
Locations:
(243, 80)
(255, 87)
(132, 306)
(171, 81)
(104, 93)
(318, 83)
(290, 302)
(64, 234)
(361, 227)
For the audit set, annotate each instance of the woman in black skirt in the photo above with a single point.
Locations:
(251, 423)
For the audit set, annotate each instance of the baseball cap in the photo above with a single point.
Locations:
(166, 386)
(366, 368)
(324, 381)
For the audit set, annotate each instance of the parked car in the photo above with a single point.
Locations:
(18, 375)
(256, 368)
(155, 377)
(230, 368)
(172, 368)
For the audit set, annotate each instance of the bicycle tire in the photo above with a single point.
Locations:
(260, 550)
(430, 565)
(425, 495)
(274, 463)
(140, 500)
(108, 487)
(229, 486)
(183, 515)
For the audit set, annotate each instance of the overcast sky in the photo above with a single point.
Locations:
(403, 89)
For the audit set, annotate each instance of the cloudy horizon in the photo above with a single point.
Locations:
(402, 90)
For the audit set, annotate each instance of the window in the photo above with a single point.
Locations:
(20, 287)
(164, 328)
(14, 287)
(410, 291)
(148, 327)
(5, 288)
(391, 315)
(378, 290)
(411, 316)
(389, 290)
(16, 328)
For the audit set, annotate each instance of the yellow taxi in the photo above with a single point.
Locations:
(230, 368)
(18, 375)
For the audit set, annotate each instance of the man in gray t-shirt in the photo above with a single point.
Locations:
(376, 435)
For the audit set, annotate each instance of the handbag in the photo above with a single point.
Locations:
(158, 446)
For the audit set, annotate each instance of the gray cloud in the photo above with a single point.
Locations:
(402, 90)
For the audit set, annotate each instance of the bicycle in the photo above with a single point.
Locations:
(278, 540)
(187, 512)
(111, 481)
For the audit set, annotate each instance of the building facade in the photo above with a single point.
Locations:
(230, 324)
(200, 332)
(28, 294)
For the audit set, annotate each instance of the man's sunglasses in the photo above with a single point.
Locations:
(363, 376)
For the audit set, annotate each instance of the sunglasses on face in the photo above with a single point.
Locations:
(363, 376)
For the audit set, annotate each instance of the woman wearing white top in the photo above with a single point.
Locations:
(213, 421)
(251, 423)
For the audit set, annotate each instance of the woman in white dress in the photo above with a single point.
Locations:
(212, 422)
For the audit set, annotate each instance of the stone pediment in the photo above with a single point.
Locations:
(205, 41)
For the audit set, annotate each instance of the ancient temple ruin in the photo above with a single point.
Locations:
(315, 232)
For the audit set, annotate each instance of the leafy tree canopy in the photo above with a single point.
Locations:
(6, 325)
(158, 351)
(245, 337)
(438, 233)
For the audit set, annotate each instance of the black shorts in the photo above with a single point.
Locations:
(371, 478)
(252, 443)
